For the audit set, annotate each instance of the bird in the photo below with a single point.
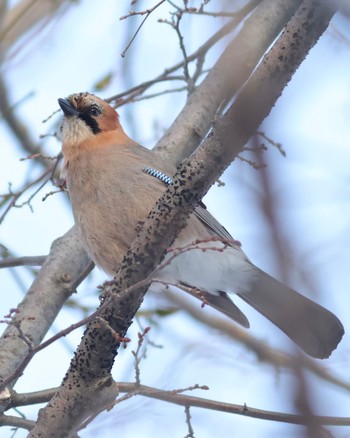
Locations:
(113, 184)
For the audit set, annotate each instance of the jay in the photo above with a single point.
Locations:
(113, 183)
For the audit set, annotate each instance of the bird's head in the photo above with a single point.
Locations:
(86, 118)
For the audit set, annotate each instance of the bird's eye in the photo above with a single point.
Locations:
(94, 111)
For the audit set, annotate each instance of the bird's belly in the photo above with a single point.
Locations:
(209, 266)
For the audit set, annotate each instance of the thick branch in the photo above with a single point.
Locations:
(34, 316)
(88, 380)
(24, 16)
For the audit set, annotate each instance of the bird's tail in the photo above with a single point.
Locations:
(313, 328)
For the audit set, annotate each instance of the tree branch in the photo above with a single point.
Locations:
(53, 285)
(18, 422)
(11, 262)
(186, 400)
(24, 16)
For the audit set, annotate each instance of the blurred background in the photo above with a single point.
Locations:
(292, 217)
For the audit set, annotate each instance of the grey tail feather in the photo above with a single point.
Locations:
(313, 328)
(221, 302)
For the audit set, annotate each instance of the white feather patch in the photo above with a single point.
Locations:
(75, 131)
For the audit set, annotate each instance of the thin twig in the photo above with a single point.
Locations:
(165, 76)
(175, 24)
(186, 400)
(252, 163)
(148, 13)
(116, 335)
(137, 97)
(272, 142)
(161, 93)
(11, 262)
(188, 422)
(14, 196)
(138, 356)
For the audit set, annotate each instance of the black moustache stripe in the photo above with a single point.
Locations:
(92, 123)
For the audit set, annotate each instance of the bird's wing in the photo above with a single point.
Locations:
(214, 226)
(220, 301)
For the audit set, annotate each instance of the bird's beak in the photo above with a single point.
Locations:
(68, 108)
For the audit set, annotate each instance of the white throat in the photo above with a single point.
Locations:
(75, 131)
